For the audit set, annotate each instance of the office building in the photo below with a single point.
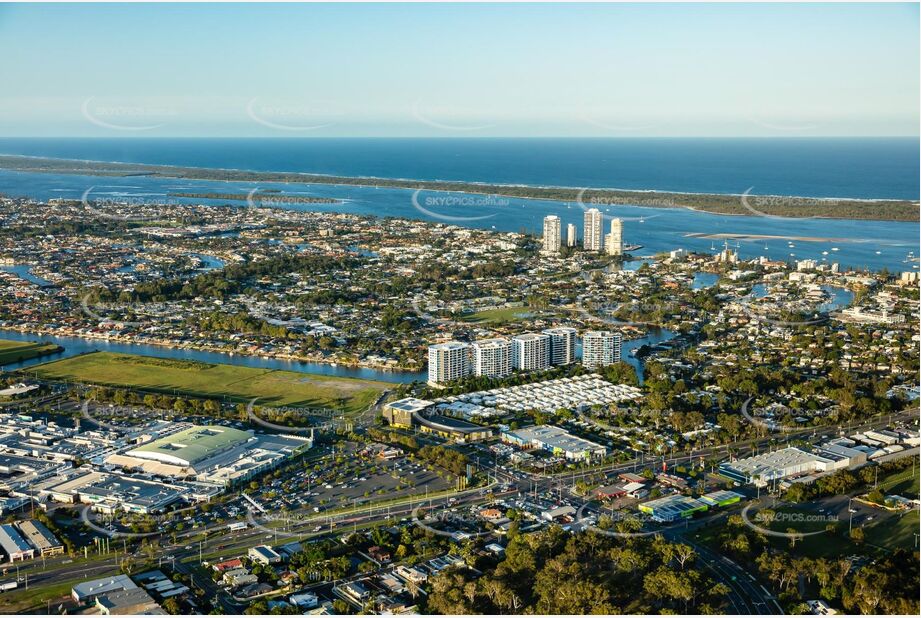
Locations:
(600, 348)
(614, 242)
(571, 235)
(448, 361)
(591, 239)
(551, 234)
(562, 345)
(492, 358)
(530, 352)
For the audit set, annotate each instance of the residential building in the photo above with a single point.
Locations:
(591, 239)
(492, 357)
(614, 242)
(562, 345)
(448, 361)
(571, 235)
(551, 234)
(531, 352)
(600, 348)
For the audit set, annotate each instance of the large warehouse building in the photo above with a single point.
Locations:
(212, 454)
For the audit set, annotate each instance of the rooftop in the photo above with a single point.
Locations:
(190, 446)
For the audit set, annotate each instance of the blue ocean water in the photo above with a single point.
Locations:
(844, 168)
(812, 167)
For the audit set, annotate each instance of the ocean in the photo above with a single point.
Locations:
(864, 168)
(848, 168)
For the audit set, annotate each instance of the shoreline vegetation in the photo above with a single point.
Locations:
(723, 204)
(263, 198)
(19, 351)
(172, 345)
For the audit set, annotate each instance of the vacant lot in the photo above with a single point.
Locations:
(16, 351)
(273, 388)
(498, 316)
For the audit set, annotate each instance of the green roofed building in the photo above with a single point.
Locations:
(721, 498)
(191, 446)
(673, 507)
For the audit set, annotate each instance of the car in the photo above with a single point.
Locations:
(318, 528)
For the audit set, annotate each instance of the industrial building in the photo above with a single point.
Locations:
(88, 591)
(44, 542)
(13, 545)
(791, 462)
(212, 454)
(672, 507)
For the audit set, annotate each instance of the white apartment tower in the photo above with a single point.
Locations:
(600, 348)
(571, 235)
(448, 361)
(562, 345)
(591, 240)
(614, 242)
(492, 357)
(531, 351)
(552, 234)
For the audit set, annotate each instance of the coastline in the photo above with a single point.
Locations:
(792, 207)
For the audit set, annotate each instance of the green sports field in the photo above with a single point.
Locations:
(16, 351)
(273, 388)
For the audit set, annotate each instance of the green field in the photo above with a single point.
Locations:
(498, 316)
(273, 388)
(902, 482)
(894, 532)
(16, 351)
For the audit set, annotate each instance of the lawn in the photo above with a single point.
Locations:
(273, 388)
(894, 532)
(16, 351)
(901, 482)
(498, 316)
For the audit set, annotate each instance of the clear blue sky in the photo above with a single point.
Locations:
(459, 70)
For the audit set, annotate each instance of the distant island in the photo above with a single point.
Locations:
(778, 206)
(263, 197)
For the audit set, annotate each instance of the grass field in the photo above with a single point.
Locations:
(498, 316)
(894, 532)
(902, 482)
(16, 351)
(273, 388)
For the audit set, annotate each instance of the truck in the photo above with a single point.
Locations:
(7, 586)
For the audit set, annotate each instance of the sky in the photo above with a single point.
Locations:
(455, 70)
